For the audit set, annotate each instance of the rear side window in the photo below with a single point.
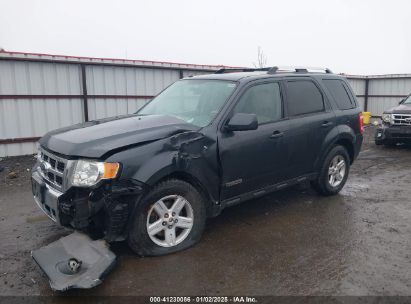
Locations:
(303, 97)
(340, 94)
(263, 100)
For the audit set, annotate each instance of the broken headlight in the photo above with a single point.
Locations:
(88, 173)
(386, 118)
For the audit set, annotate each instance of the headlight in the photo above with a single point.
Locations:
(386, 117)
(88, 173)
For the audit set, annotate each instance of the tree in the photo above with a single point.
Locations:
(261, 59)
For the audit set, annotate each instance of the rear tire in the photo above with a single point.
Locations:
(176, 210)
(333, 173)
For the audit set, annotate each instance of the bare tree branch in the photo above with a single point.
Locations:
(261, 59)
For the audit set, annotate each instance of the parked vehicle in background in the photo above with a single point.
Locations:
(203, 144)
(396, 125)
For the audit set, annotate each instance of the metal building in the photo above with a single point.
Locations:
(40, 92)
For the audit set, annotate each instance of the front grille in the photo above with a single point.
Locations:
(402, 119)
(58, 179)
(60, 166)
(52, 168)
(52, 163)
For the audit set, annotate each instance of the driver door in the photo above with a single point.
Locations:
(253, 159)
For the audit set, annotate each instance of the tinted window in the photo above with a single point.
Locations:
(303, 97)
(264, 100)
(340, 94)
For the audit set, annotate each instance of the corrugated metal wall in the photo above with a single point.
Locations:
(358, 85)
(103, 80)
(385, 93)
(26, 117)
(39, 93)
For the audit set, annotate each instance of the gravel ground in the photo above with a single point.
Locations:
(293, 242)
(15, 172)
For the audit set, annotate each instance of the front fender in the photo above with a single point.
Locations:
(190, 154)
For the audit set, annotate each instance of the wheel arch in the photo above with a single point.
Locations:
(193, 181)
(348, 145)
(336, 137)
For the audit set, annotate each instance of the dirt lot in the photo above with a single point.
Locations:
(293, 242)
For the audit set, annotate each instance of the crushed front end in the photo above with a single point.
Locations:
(101, 210)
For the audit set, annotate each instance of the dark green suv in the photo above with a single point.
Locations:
(203, 144)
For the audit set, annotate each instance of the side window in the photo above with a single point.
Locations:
(264, 100)
(303, 97)
(339, 93)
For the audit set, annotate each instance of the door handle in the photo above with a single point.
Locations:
(277, 134)
(326, 124)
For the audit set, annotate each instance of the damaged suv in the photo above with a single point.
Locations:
(396, 125)
(203, 144)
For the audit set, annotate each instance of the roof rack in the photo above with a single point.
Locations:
(233, 70)
(277, 69)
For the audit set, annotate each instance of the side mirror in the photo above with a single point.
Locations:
(242, 122)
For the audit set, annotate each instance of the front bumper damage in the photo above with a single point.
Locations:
(103, 212)
(75, 261)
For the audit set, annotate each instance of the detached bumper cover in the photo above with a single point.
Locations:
(75, 261)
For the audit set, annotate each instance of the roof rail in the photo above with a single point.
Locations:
(233, 70)
(277, 69)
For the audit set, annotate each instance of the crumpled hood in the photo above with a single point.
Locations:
(95, 138)
(401, 109)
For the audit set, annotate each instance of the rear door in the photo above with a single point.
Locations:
(253, 159)
(311, 118)
(347, 109)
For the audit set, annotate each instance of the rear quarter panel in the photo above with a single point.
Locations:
(347, 122)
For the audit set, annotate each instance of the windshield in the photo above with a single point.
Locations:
(407, 100)
(194, 101)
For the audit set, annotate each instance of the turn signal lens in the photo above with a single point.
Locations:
(110, 170)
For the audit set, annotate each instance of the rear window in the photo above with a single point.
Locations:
(303, 97)
(339, 92)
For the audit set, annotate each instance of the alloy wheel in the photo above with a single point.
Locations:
(170, 220)
(337, 171)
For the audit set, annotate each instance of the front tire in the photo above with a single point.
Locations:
(170, 218)
(334, 172)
